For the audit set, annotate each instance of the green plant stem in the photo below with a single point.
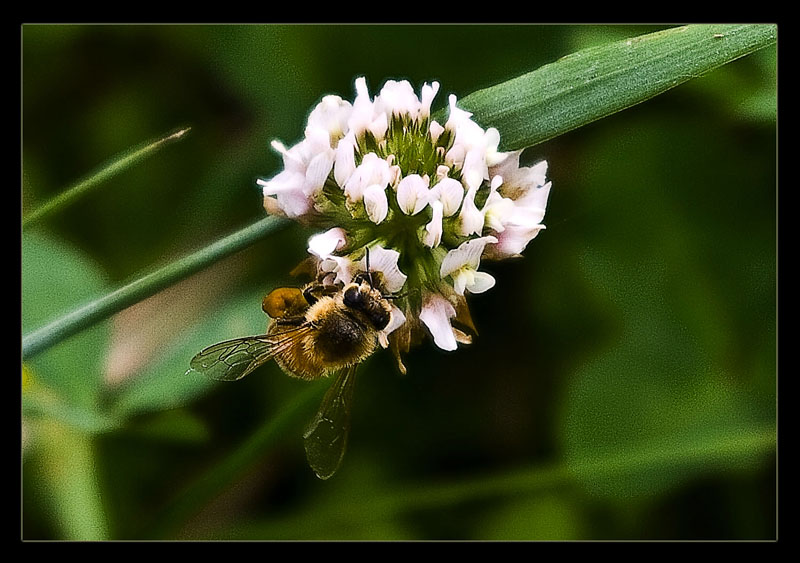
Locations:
(119, 299)
(103, 173)
(599, 81)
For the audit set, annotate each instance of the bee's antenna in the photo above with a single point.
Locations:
(369, 270)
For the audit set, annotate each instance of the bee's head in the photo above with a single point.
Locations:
(361, 296)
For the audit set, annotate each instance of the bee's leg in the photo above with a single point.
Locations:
(312, 292)
(290, 321)
(308, 293)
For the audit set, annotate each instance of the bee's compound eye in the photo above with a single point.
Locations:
(353, 297)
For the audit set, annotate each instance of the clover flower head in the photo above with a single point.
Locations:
(428, 200)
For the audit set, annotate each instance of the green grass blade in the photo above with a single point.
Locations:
(599, 81)
(119, 299)
(103, 173)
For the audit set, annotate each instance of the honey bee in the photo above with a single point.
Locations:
(316, 331)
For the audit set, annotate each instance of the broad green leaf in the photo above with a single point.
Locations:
(61, 474)
(39, 401)
(56, 278)
(61, 393)
(599, 81)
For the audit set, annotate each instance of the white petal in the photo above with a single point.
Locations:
(512, 241)
(461, 278)
(372, 170)
(471, 219)
(291, 160)
(317, 140)
(345, 163)
(508, 165)
(412, 192)
(433, 230)
(317, 172)
(435, 130)
(455, 156)
(397, 98)
(331, 114)
(377, 168)
(293, 203)
(361, 88)
(497, 210)
(481, 282)
(457, 116)
(363, 110)
(474, 169)
(450, 192)
(492, 140)
(395, 321)
(436, 314)
(426, 98)
(379, 127)
(441, 172)
(534, 203)
(538, 173)
(343, 268)
(468, 254)
(384, 260)
(284, 181)
(325, 244)
(285, 192)
(376, 203)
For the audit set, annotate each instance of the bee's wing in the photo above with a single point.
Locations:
(326, 436)
(233, 359)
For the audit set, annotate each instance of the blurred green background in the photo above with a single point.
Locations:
(624, 382)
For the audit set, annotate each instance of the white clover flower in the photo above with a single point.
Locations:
(325, 244)
(517, 222)
(461, 264)
(397, 320)
(330, 115)
(450, 193)
(412, 194)
(436, 314)
(375, 203)
(385, 261)
(428, 201)
(470, 218)
(373, 171)
(433, 230)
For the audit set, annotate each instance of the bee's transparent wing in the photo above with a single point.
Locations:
(233, 359)
(326, 436)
